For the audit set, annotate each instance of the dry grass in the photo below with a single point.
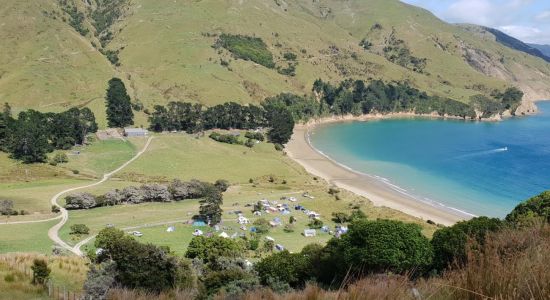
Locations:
(67, 271)
(514, 264)
(123, 294)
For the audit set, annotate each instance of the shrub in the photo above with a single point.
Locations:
(55, 209)
(247, 48)
(210, 249)
(99, 280)
(290, 268)
(531, 210)
(290, 56)
(79, 229)
(255, 136)
(225, 138)
(279, 147)
(449, 244)
(250, 143)
(6, 207)
(262, 226)
(340, 217)
(76, 172)
(315, 224)
(222, 185)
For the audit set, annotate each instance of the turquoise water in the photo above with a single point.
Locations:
(482, 168)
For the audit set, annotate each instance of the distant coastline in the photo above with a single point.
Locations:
(379, 191)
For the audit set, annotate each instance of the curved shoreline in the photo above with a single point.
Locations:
(379, 191)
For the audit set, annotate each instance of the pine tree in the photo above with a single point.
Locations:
(282, 125)
(119, 108)
(28, 138)
(210, 205)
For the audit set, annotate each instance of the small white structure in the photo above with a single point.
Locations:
(197, 232)
(137, 233)
(257, 213)
(242, 220)
(171, 229)
(224, 235)
(132, 132)
(314, 215)
(292, 199)
(310, 232)
(270, 238)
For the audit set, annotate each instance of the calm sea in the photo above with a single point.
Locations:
(482, 168)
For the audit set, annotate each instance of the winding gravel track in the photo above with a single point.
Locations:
(53, 233)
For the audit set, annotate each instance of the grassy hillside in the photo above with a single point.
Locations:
(51, 60)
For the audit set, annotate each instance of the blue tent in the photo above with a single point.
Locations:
(199, 224)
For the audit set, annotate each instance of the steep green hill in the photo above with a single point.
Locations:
(60, 53)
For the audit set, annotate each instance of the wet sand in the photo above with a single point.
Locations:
(380, 193)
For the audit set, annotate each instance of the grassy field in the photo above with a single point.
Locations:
(34, 197)
(100, 157)
(31, 237)
(186, 157)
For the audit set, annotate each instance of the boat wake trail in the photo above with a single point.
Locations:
(481, 153)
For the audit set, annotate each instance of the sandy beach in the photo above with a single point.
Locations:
(380, 193)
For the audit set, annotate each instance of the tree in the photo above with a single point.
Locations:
(379, 246)
(290, 268)
(261, 225)
(222, 185)
(536, 208)
(210, 249)
(40, 271)
(119, 107)
(6, 207)
(79, 229)
(155, 193)
(99, 280)
(282, 124)
(142, 266)
(28, 138)
(80, 201)
(449, 244)
(210, 205)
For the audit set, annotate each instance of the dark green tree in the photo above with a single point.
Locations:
(210, 205)
(142, 266)
(449, 244)
(374, 247)
(27, 138)
(119, 107)
(40, 271)
(290, 268)
(282, 124)
(210, 249)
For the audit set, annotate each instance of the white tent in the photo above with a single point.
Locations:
(171, 229)
(197, 232)
(223, 235)
(310, 233)
(243, 220)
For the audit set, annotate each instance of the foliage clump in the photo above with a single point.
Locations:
(247, 48)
